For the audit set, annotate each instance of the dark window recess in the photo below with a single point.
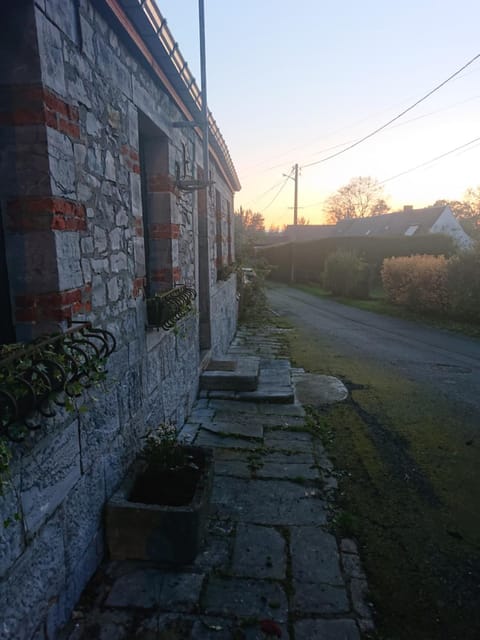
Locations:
(146, 226)
(156, 203)
(7, 331)
(218, 216)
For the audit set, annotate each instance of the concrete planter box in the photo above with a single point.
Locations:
(165, 534)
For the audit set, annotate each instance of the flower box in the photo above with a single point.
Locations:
(137, 528)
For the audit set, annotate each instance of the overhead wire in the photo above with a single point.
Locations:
(424, 164)
(462, 147)
(287, 178)
(397, 117)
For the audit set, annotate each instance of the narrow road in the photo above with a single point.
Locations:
(447, 363)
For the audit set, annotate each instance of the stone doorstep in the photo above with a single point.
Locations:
(271, 394)
(240, 374)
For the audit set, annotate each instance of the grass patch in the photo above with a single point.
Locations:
(409, 492)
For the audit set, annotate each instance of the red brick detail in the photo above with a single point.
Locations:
(138, 222)
(131, 159)
(43, 213)
(138, 287)
(34, 104)
(57, 306)
(160, 183)
(162, 231)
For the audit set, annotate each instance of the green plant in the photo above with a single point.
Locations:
(463, 283)
(346, 275)
(252, 305)
(163, 451)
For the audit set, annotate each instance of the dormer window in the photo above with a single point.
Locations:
(411, 230)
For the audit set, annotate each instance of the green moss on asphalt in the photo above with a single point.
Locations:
(411, 491)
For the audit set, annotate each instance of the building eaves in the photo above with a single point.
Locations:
(151, 27)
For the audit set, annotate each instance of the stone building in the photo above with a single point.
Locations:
(102, 207)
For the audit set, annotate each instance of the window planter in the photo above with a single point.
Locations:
(51, 370)
(165, 309)
(138, 528)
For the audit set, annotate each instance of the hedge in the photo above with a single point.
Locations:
(310, 257)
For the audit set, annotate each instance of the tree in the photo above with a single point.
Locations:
(360, 198)
(249, 230)
(303, 221)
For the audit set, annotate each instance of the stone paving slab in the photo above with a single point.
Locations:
(263, 464)
(287, 470)
(260, 552)
(295, 442)
(149, 588)
(272, 502)
(282, 410)
(266, 420)
(246, 429)
(326, 630)
(244, 598)
(174, 627)
(208, 439)
(315, 557)
(319, 599)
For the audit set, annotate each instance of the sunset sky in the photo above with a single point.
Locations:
(295, 82)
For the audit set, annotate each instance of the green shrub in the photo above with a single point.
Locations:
(463, 282)
(416, 282)
(346, 275)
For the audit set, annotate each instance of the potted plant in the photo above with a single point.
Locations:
(160, 510)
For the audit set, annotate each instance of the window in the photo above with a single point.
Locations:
(411, 230)
(157, 192)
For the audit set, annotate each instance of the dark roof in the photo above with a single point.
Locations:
(418, 221)
(303, 232)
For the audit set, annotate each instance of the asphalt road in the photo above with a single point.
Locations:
(447, 363)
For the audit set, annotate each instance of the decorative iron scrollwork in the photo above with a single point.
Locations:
(49, 371)
(165, 309)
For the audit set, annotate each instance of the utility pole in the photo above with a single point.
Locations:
(295, 196)
(295, 222)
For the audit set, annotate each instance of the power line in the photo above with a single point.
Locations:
(384, 126)
(287, 178)
(424, 164)
(262, 195)
(420, 166)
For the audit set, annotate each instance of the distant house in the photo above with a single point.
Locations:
(409, 222)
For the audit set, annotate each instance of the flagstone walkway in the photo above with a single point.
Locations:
(271, 566)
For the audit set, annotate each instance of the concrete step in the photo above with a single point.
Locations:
(238, 375)
(274, 385)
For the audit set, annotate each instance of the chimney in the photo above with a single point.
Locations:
(408, 207)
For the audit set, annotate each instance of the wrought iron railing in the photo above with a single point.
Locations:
(165, 309)
(50, 371)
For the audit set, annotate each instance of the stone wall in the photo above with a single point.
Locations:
(77, 236)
